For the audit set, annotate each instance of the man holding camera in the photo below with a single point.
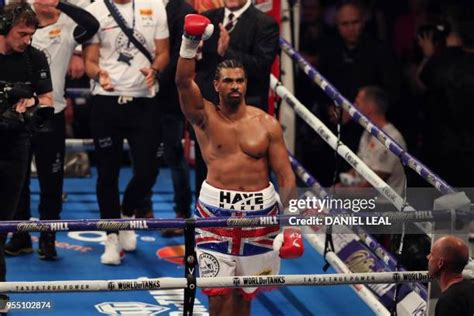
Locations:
(23, 68)
(62, 27)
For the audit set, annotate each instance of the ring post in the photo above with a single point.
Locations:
(189, 265)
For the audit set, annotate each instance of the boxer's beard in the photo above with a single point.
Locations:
(233, 99)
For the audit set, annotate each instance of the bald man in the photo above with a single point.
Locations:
(446, 261)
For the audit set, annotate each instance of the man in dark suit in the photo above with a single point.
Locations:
(244, 33)
(172, 125)
(350, 59)
(171, 120)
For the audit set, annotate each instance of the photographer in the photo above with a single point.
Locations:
(19, 63)
(57, 37)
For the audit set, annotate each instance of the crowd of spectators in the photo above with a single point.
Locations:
(419, 53)
(406, 48)
(395, 45)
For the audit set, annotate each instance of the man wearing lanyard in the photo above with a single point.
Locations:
(122, 101)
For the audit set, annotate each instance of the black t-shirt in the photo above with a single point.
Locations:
(457, 300)
(29, 66)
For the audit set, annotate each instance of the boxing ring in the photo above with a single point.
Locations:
(179, 285)
(174, 283)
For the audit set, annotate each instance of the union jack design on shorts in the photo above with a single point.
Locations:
(235, 241)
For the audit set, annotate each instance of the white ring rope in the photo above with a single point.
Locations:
(218, 282)
(344, 151)
(365, 294)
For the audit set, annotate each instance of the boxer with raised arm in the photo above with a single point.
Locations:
(240, 144)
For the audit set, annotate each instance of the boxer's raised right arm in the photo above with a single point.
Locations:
(196, 28)
(190, 98)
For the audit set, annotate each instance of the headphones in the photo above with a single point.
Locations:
(8, 18)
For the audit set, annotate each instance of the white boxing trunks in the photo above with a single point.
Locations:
(236, 251)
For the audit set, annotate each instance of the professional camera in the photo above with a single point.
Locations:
(10, 93)
(34, 117)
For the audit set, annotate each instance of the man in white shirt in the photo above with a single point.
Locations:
(373, 102)
(123, 91)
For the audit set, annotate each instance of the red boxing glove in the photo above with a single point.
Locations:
(197, 26)
(289, 244)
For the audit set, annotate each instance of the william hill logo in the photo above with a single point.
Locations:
(42, 227)
(122, 225)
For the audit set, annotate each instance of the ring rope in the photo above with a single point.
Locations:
(351, 115)
(248, 221)
(326, 134)
(317, 188)
(143, 284)
(383, 137)
(91, 148)
(363, 291)
(365, 237)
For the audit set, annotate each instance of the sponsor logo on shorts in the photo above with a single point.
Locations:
(208, 265)
(241, 201)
